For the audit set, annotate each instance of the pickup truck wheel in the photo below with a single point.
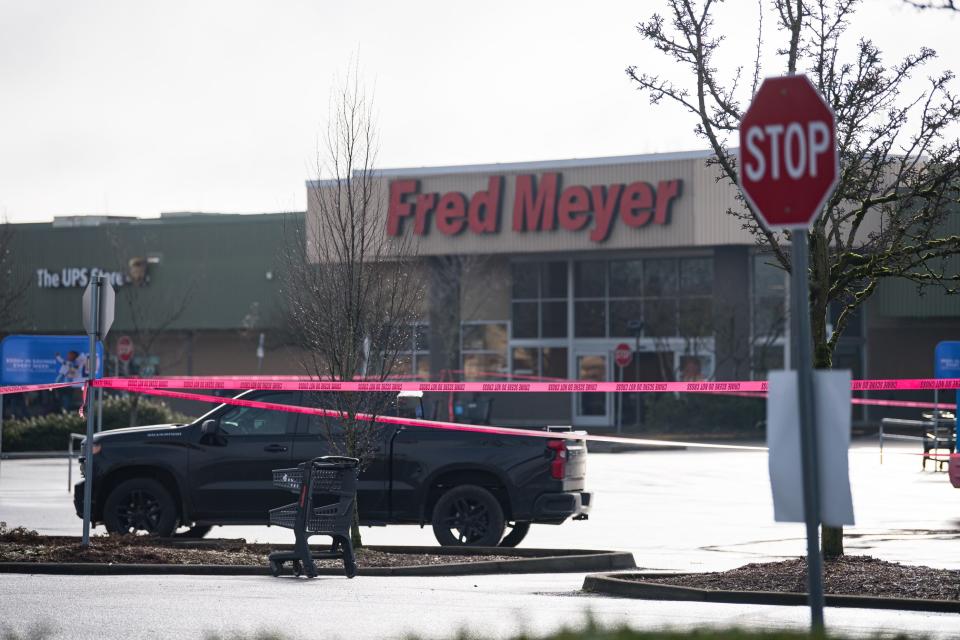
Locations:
(468, 515)
(140, 505)
(517, 532)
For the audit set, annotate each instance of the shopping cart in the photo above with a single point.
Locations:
(327, 490)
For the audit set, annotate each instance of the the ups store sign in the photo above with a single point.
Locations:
(540, 203)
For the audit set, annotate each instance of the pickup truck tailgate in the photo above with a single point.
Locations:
(576, 468)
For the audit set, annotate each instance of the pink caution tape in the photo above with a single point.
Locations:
(25, 388)
(308, 384)
(435, 424)
(580, 386)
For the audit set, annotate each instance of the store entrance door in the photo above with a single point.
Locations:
(592, 409)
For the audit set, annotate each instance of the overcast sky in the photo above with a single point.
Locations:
(134, 108)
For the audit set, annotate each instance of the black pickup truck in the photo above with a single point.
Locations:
(471, 487)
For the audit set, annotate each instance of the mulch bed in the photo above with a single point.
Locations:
(847, 575)
(22, 545)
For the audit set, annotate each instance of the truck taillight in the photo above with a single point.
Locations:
(558, 466)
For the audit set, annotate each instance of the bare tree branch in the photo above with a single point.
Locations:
(351, 296)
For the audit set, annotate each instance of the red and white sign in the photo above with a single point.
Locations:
(124, 348)
(622, 354)
(789, 164)
(544, 204)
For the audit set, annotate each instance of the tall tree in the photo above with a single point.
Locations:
(899, 165)
(350, 292)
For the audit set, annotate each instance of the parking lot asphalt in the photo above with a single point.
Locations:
(676, 510)
(186, 607)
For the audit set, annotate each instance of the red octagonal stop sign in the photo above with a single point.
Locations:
(789, 163)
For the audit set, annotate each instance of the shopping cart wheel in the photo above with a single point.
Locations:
(276, 568)
(297, 568)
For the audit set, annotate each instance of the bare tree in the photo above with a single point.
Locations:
(13, 283)
(348, 286)
(899, 169)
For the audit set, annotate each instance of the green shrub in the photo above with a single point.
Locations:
(703, 413)
(51, 432)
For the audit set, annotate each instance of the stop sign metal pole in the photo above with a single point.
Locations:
(800, 324)
(790, 166)
(92, 331)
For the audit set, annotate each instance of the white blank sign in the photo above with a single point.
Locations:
(831, 391)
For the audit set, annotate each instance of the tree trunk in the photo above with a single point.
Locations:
(831, 541)
(831, 538)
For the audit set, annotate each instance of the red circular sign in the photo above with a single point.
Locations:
(125, 348)
(789, 163)
(622, 354)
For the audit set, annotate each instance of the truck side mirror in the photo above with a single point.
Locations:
(209, 428)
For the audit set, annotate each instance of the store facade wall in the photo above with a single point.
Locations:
(193, 291)
(559, 262)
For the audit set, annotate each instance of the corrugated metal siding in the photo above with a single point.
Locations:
(899, 299)
(712, 199)
(224, 261)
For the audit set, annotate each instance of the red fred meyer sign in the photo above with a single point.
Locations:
(789, 163)
(540, 203)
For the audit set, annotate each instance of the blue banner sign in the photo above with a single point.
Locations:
(946, 359)
(42, 359)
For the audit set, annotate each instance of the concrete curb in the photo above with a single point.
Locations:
(616, 585)
(528, 561)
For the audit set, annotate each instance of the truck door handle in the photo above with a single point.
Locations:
(275, 448)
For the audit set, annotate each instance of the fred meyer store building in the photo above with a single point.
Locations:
(562, 261)
(535, 269)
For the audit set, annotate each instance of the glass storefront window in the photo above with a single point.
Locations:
(696, 317)
(659, 277)
(693, 368)
(767, 358)
(554, 280)
(525, 319)
(548, 362)
(525, 361)
(589, 318)
(589, 279)
(415, 359)
(540, 295)
(483, 366)
(660, 318)
(525, 280)
(622, 312)
(671, 296)
(696, 276)
(554, 362)
(626, 278)
(769, 315)
(553, 319)
(483, 350)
